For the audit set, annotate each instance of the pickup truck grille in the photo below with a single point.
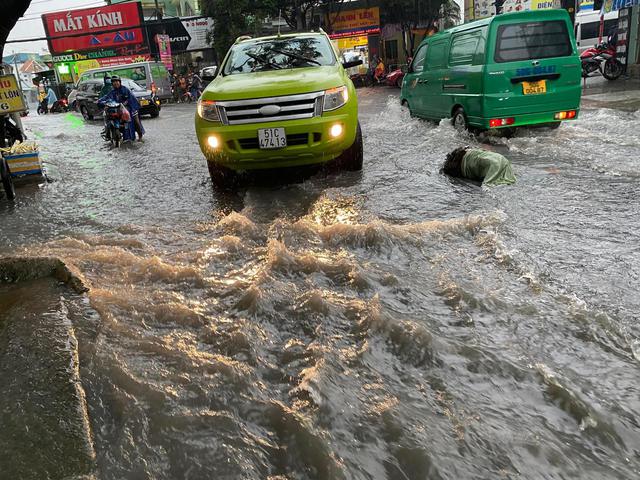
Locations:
(271, 109)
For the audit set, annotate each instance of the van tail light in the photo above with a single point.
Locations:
(153, 87)
(501, 122)
(565, 115)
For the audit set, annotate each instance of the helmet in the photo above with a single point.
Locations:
(115, 78)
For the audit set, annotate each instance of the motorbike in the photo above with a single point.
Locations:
(601, 60)
(60, 106)
(394, 78)
(116, 119)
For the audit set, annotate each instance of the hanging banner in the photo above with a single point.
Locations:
(122, 18)
(85, 65)
(164, 49)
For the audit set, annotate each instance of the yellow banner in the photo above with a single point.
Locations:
(85, 65)
(352, 42)
(10, 96)
(357, 19)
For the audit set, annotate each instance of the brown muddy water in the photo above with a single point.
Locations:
(393, 324)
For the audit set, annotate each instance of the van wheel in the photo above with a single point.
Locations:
(222, 177)
(405, 104)
(459, 120)
(352, 158)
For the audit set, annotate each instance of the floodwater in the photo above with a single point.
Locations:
(389, 324)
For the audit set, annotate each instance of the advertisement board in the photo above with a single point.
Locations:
(10, 95)
(85, 65)
(185, 34)
(94, 28)
(164, 49)
(360, 21)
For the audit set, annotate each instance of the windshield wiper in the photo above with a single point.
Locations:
(295, 55)
(263, 61)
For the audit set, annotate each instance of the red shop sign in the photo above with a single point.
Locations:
(114, 19)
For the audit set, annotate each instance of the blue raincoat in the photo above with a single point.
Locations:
(124, 96)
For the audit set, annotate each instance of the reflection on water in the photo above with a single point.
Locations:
(393, 324)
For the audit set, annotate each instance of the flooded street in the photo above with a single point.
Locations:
(385, 324)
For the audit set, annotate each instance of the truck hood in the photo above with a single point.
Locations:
(273, 83)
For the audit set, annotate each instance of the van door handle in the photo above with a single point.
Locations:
(423, 81)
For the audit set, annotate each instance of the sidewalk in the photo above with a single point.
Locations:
(621, 94)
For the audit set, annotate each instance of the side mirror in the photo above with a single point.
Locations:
(353, 63)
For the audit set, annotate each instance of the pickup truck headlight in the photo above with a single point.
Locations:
(208, 110)
(335, 98)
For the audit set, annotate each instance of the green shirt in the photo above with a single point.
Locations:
(488, 167)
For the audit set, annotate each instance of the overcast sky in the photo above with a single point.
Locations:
(30, 26)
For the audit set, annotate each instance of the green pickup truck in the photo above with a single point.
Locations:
(279, 101)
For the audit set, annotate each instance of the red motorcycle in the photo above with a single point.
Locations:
(601, 60)
(394, 78)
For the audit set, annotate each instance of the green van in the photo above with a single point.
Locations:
(509, 70)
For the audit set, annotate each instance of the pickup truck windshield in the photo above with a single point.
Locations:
(279, 54)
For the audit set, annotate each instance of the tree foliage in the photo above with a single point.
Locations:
(413, 14)
(233, 18)
(12, 10)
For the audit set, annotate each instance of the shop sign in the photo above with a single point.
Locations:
(359, 20)
(10, 96)
(185, 34)
(127, 50)
(85, 65)
(349, 43)
(106, 26)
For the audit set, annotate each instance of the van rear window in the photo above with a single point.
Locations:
(532, 40)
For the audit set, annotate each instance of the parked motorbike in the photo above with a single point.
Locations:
(601, 60)
(394, 78)
(43, 108)
(60, 106)
(116, 119)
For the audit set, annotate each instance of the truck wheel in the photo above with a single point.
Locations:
(222, 177)
(7, 183)
(459, 120)
(352, 158)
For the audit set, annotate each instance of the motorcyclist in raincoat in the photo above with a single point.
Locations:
(123, 95)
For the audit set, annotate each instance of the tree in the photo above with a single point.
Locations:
(411, 14)
(12, 10)
(233, 18)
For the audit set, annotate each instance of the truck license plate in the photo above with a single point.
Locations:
(272, 138)
(533, 88)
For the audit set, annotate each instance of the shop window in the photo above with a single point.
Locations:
(463, 48)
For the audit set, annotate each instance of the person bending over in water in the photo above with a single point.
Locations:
(490, 168)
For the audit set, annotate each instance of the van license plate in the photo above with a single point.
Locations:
(534, 88)
(272, 138)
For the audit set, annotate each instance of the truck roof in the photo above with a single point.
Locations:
(275, 37)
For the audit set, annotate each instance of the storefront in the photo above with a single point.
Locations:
(188, 44)
(356, 33)
(95, 37)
